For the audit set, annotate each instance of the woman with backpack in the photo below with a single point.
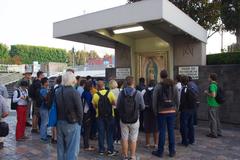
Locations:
(20, 96)
(150, 120)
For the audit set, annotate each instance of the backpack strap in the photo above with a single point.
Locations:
(18, 93)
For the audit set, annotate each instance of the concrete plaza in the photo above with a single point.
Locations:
(224, 148)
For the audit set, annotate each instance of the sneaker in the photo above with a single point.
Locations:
(44, 140)
(112, 153)
(101, 153)
(53, 141)
(1, 145)
(211, 135)
(220, 135)
(172, 154)
(125, 158)
(34, 131)
(157, 154)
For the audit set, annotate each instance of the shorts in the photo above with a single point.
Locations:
(36, 109)
(130, 131)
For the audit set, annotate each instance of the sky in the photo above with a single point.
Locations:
(31, 22)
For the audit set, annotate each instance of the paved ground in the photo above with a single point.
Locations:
(225, 148)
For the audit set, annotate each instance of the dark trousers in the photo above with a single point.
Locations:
(186, 127)
(87, 125)
(214, 121)
(141, 118)
(117, 130)
(105, 128)
(166, 121)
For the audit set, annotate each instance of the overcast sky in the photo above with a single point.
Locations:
(30, 22)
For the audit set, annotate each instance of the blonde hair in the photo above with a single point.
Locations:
(68, 79)
(113, 84)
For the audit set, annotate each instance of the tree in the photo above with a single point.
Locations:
(230, 15)
(4, 54)
(204, 12)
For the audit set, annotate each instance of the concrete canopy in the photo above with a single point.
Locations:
(158, 17)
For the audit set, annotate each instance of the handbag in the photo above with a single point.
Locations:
(52, 121)
(4, 129)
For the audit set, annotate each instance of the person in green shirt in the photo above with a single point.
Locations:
(213, 107)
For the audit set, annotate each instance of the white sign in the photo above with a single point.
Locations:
(122, 73)
(192, 71)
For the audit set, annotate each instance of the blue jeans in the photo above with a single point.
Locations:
(166, 120)
(105, 127)
(186, 127)
(68, 140)
(44, 122)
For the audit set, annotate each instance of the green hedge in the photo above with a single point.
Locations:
(224, 58)
(28, 54)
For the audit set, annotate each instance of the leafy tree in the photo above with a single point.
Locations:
(230, 15)
(204, 12)
(81, 57)
(3, 53)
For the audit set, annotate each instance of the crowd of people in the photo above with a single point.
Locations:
(115, 111)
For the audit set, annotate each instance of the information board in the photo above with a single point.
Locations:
(122, 73)
(192, 71)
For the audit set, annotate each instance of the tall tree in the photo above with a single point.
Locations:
(4, 54)
(204, 12)
(230, 15)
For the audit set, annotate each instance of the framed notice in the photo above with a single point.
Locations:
(192, 71)
(122, 73)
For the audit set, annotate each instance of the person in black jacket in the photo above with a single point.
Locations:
(69, 119)
(187, 108)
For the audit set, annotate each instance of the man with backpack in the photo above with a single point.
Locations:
(130, 103)
(165, 101)
(213, 107)
(34, 95)
(103, 101)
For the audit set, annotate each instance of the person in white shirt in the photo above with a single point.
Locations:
(179, 90)
(20, 96)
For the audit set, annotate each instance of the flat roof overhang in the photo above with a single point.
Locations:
(158, 17)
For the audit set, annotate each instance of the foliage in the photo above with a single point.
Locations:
(224, 58)
(3, 53)
(81, 57)
(230, 15)
(27, 54)
(203, 12)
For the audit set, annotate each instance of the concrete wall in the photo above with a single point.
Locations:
(228, 78)
(188, 51)
(122, 56)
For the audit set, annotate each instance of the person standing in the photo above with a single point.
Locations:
(69, 118)
(80, 88)
(130, 103)
(20, 96)
(3, 91)
(34, 95)
(213, 107)
(179, 89)
(103, 101)
(4, 111)
(187, 109)
(44, 109)
(150, 120)
(165, 101)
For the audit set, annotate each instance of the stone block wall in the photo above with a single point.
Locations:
(229, 80)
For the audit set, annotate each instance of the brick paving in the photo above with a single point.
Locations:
(224, 148)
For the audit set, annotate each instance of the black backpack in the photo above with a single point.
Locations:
(4, 129)
(148, 98)
(104, 106)
(220, 96)
(129, 110)
(14, 104)
(166, 96)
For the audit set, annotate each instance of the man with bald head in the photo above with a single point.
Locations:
(103, 101)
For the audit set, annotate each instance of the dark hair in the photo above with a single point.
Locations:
(82, 82)
(88, 86)
(151, 83)
(129, 80)
(185, 80)
(189, 78)
(178, 78)
(88, 78)
(141, 80)
(213, 76)
(164, 74)
(59, 80)
(44, 80)
(78, 77)
(39, 73)
(24, 83)
(70, 70)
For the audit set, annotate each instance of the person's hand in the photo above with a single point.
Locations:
(23, 97)
(206, 92)
(4, 114)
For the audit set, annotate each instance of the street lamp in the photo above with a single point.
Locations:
(73, 56)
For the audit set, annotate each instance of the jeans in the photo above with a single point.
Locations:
(105, 127)
(166, 120)
(44, 123)
(186, 127)
(68, 140)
